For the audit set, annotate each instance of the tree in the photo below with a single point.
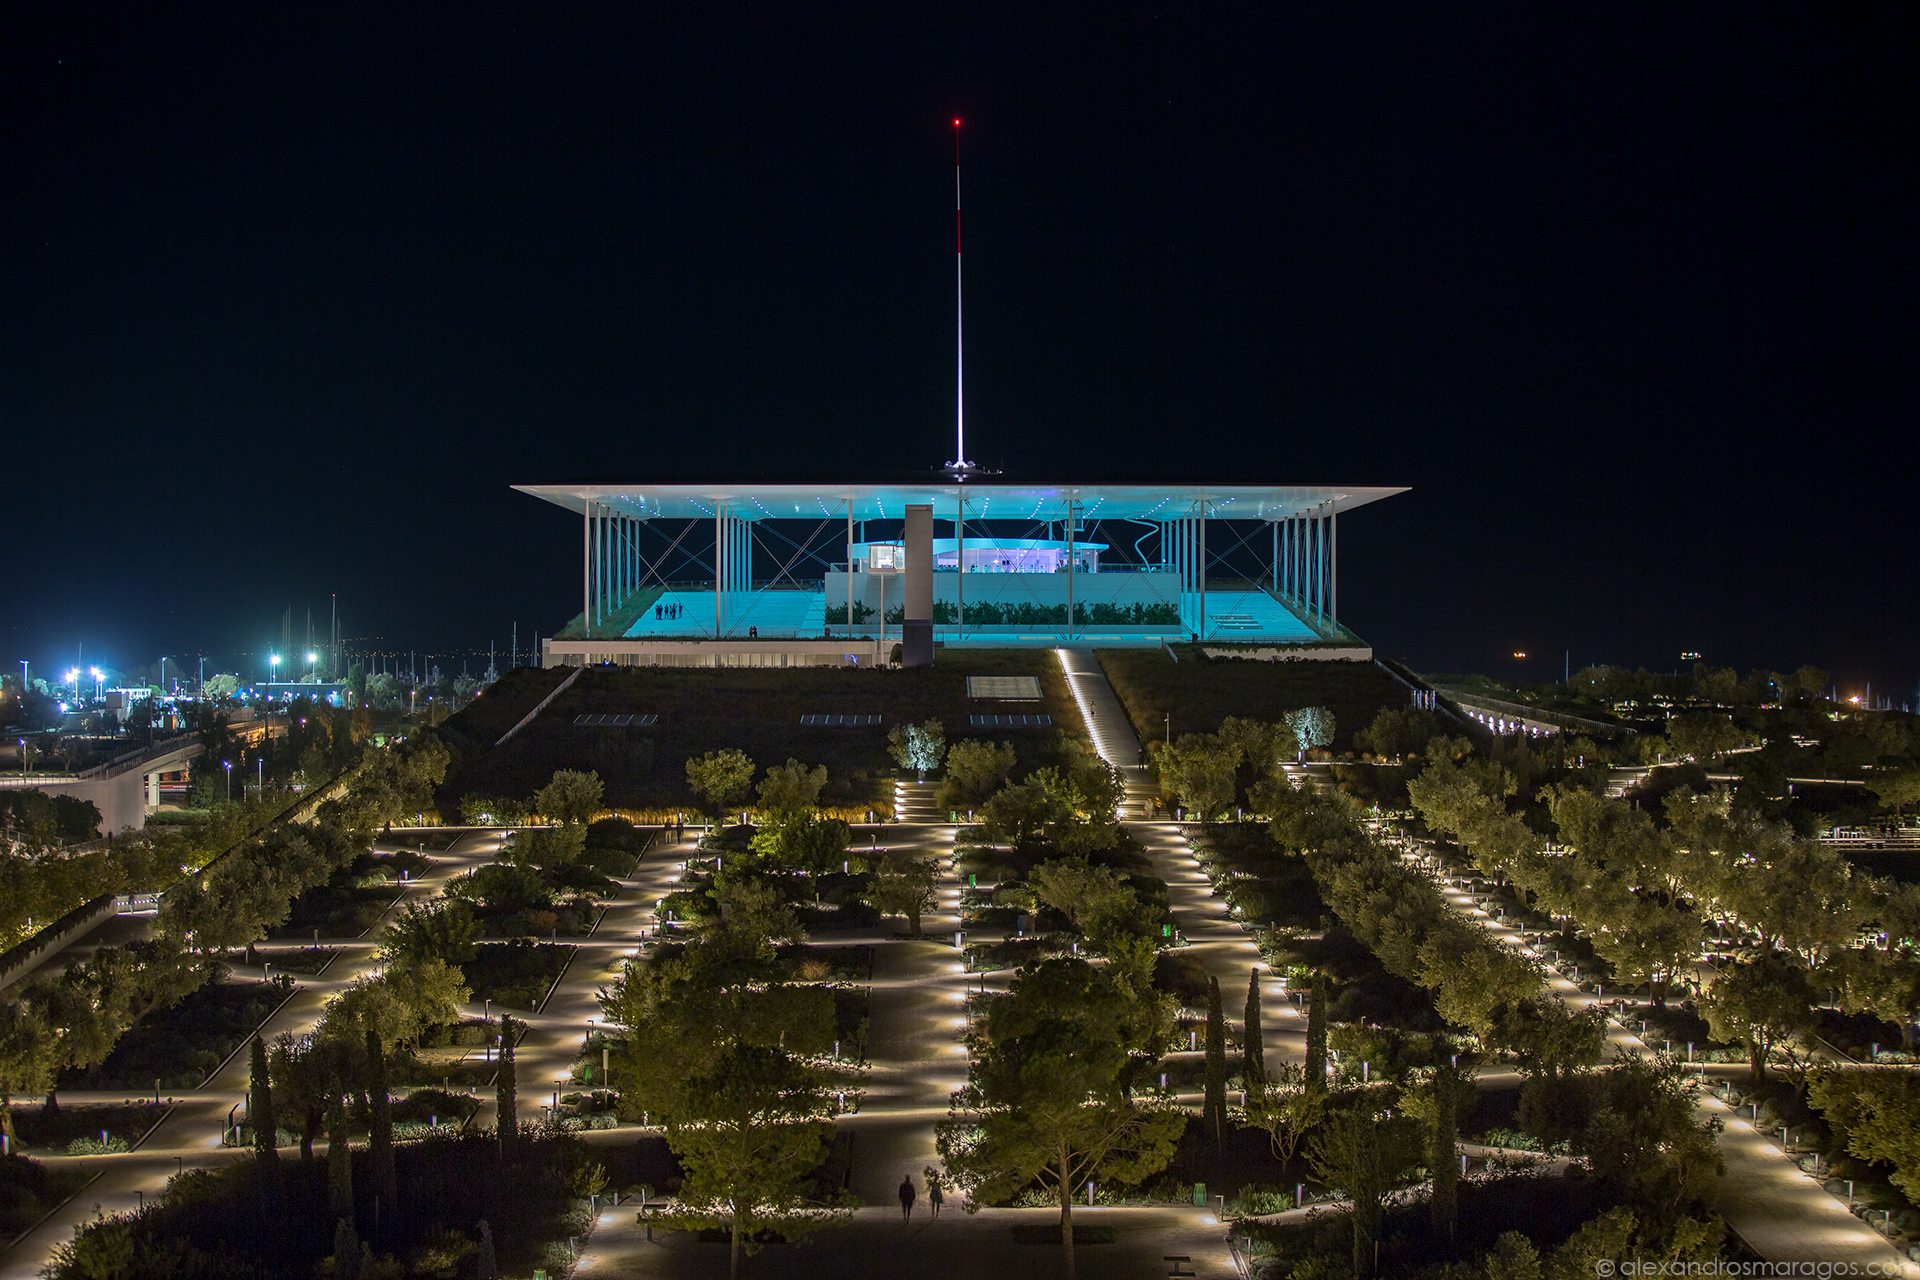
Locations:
(443, 929)
(1470, 982)
(804, 841)
(1703, 735)
(1289, 1108)
(1045, 1099)
(220, 686)
(1198, 770)
(29, 1054)
(1316, 1063)
(975, 770)
(1548, 1038)
(260, 1112)
(559, 846)
(1438, 1104)
(1365, 1151)
(571, 797)
(721, 779)
(1098, 902)
(1898, 789)
(506, 1096)
(904, 886)
(1312, 727)
(1761, 1001)
(1643, 1138)
(1399, 732)
(339, 1157)
(380, 1130)
(1213, 1114)
(1884, 981)
(753, 915)
(1253, 1065)
(1878, 1112)
(790, 790)
(1026, 812)
(729, 1056)
(919, 747)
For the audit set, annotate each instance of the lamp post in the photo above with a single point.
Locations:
(228, 766)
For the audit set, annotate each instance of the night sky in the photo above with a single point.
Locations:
(1626, 293)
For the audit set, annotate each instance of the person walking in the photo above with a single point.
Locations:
(935, 1197)
(906, 1197)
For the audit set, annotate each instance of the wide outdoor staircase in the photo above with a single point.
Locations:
(1247, 614)
(916, 802)
(1108, 726)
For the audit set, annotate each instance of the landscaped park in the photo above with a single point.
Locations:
(704, 972)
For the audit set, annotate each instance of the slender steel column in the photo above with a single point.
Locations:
(1333, 562)
(1313, 562)
(960, 560)
(1203, 568)
(1070, 568)
(719, 562)
(849, 566)
(586, 565)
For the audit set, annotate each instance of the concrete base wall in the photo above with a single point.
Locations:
(122, 801)
(850, 652)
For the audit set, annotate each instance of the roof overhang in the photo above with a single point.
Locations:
(988, 501)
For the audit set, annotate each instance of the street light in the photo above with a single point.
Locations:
(228, 766)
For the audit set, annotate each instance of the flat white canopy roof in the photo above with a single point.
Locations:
(985, 501)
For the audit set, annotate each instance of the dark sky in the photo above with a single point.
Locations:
(1625, 293)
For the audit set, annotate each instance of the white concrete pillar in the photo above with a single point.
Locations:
(916, 636)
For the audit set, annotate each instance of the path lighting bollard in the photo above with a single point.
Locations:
(1299, 1195)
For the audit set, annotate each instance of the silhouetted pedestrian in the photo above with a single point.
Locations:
(906, 1197)
(935, 1198)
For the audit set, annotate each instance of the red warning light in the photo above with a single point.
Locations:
(956, 124)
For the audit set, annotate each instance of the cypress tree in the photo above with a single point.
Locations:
(1451, 1087)
(260, 1112)
(1317, 1033)
(380, 1126)
(506, 1103)
(346, 1251)
(339, 1160)
(1213, 1115)
(1254, 1068)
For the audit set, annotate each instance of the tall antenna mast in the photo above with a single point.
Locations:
(959, 468)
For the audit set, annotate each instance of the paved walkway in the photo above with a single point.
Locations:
(193, 1133)
(1783, 1214)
